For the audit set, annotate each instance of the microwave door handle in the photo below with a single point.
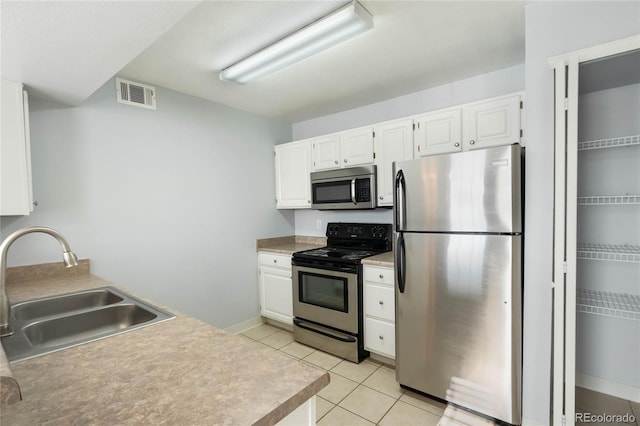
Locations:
(353, 191)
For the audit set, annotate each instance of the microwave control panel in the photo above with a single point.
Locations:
(363, 190)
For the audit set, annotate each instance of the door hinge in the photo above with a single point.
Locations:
(564, 267)
(414, 126)
(374, 133)
(521, 132)
(314, 164)
(521, 104)
(418, 148)
(566, 103)
(374, 155)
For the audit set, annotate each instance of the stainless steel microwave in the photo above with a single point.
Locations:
(341, 189)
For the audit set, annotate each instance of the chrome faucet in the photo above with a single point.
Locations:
(70, 259)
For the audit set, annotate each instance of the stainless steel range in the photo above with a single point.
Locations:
(327, 288)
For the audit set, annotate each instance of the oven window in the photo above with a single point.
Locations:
(324, 291)
(332, 192)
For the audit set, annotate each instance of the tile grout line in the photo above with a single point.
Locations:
(361, 383)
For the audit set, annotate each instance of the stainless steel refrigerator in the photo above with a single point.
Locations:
(458, 228)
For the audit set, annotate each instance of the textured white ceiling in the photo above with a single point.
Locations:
(65, 50)
(414, 45)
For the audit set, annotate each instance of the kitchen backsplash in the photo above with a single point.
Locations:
(314, 222)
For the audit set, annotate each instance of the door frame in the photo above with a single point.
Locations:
(563, 361)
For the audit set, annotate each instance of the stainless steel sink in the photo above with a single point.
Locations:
(54, 323)
(66, 303)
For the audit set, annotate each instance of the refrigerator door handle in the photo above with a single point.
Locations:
(399, 202)
(401, 261)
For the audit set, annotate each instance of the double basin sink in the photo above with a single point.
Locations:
(50, 324)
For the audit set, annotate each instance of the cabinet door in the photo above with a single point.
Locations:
(492, 123)
(326, 152)
(393, 141)
(380, 337)
(438, 133)
(15, 168)
(276, 294)
(293, 166)
(356, 147)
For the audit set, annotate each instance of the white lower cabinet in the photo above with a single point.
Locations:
(379, 311)
(276, 295)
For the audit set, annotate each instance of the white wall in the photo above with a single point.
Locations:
(502, 82)
(552, 28)
(167, 203)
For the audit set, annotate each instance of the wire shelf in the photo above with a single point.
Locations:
(600, 200)
(617, 253)
(618, 305)
(609, 143)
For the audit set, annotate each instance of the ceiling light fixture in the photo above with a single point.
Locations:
(336, 27)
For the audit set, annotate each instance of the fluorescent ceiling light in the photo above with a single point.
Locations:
(334, 28)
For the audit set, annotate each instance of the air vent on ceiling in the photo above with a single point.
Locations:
(136, 94)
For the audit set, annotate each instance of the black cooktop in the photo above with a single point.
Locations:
(350, 243)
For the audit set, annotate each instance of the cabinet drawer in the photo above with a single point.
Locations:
(380, 337)
(379, 301)
(377, 274)
(274, 260)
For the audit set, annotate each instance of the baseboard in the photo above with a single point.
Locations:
(383, 359)
(616, 389)
(278, 324)
(244, 325)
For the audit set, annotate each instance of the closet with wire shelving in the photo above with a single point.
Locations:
(608, 226)
(596, 249)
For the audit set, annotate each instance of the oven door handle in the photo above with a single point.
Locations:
(353, 191)
(324, 332)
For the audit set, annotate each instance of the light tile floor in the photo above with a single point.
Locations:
(596, 403)
(362, 394)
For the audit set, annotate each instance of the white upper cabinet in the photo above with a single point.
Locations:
(438, 132)
(292, 169)
(356, 146)
(16, 196)
(491, 123)
(344, 149)
(326, 152)
(393, 141)
(478, 125)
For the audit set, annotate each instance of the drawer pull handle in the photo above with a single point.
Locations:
(381, 303)
(381, 337)
(381, 276)
(275, 260)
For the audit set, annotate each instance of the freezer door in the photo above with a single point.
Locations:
(473, 191)
(458, 321)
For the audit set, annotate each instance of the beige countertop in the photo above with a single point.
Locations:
(383, 259)
(181, 371)
(290, 245)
